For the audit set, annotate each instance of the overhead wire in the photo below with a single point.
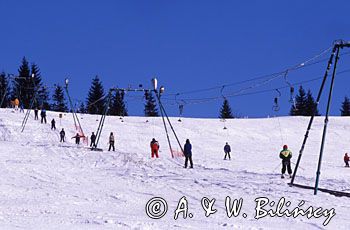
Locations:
(204, 100)
(308, 62)
(240, 91)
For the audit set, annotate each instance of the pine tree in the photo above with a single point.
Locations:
(59, 101)
(24, 89)
(82, 108)
(311, 106)
(226, 112)
(96, 101)
(22, 84)
(345, 108)
(150, 106)
(118, 107)
(300, 104)
(42, 96)
(4, 90)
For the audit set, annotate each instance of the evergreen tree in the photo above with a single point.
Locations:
(150, 106)
(226, 112)
(59, 101)
(4, 90)
(42, 96)
(118, 107)
(300, 104)
(311, 106)
(22, 84)
(82, 108)
(345, 108)
(304, 104)
(95, 101)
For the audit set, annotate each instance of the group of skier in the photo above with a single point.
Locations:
(42, 115)
(187, 150)
(285, 153)
(93, 144)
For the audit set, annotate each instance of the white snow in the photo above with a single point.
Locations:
(48, 185)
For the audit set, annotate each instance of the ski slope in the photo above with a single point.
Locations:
(45, 184)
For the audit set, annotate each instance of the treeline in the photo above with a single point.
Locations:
(28, 80)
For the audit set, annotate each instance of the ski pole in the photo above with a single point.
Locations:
(276, 167)
(299, 166)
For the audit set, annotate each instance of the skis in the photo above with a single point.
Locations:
(288, 177)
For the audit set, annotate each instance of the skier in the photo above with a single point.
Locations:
(346, 160)
(36, 114)
(227, 150)
(53, 124)
(93, 139)
(21, 108)
(43, 115)
(62, 135)
(111, 142)
(154, 148)
(77, 138)
(188, 153)
(16, 103)
(285, 155)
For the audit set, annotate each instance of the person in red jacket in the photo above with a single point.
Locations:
(154, 148)
(346, 160)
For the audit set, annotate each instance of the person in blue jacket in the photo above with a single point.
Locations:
(188, 153)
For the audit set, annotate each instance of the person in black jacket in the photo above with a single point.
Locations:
(286, 155)
(36, 114)
(188, 153)
(62, 135)
(43, 115)
(93, 140)
(53, 124)
(227, 150)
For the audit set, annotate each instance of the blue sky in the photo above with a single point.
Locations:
(187, 45)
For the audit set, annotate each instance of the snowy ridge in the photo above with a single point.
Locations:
(49, 185)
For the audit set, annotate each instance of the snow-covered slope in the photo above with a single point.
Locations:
(48, 185)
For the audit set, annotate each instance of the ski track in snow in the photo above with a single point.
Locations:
(50, 185)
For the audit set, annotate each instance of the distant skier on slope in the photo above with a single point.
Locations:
(154, 148)
(16, 103)
(77, 138)
(346, 160)
(62, 135)
(188, 153)
(43, 115)
(111, 142)
(36, 114)
(93, 140)
(21, 108)
(53, 124)
(227, 150)
(286, 155)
